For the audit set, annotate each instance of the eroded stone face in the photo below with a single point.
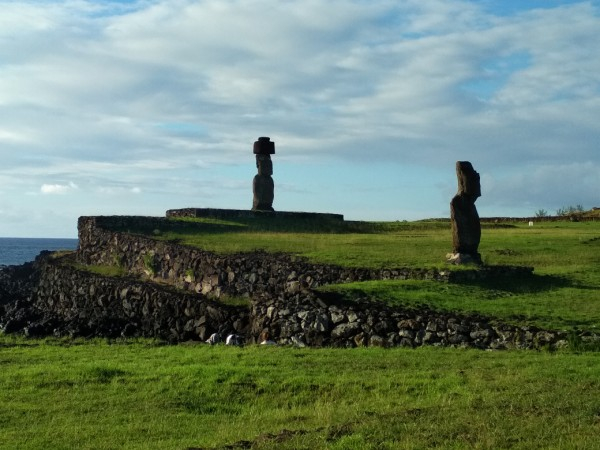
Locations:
(468, 180)
(466, 227)
(264, 165)
(263, 187)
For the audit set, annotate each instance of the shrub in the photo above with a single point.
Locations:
(570, 210)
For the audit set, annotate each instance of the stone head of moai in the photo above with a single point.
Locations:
(263, 186)
(468, 180)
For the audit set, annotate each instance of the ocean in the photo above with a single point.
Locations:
(15, 251)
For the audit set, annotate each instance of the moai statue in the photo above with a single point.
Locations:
(466, 228)
(262, 186)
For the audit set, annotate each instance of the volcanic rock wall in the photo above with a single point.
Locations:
(172, 292)
(70, 301)
(308, 319)
(283, 301)
(81, 303)
(102, 241)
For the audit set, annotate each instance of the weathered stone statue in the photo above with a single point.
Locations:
(466, 228)
(262, 186)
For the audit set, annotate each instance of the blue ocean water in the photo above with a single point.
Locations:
(20, 250)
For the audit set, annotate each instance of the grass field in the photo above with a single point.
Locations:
(145, 395)
(398, 244)
(138, 395)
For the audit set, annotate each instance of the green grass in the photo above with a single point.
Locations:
(352, 244)
(545, 302)
(390, 244)
(102, 270)
(564, 294)
(235, 301)
(139, 395)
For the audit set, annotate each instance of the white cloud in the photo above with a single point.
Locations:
(118, 190)
(58, 188)
(12, 137)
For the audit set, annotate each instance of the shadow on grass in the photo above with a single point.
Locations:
(497, 287)
(519, 301)
(275, 224)
(102, 375)
(532, 284)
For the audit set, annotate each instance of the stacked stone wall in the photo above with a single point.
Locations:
(307, 319)
(80, 303)
(75, 302)
(102, 242)
(283, 302)
(171, 293)
(227, 214)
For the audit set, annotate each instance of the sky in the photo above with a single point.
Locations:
(136, 107)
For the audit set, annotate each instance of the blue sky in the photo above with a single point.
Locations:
(136, 107)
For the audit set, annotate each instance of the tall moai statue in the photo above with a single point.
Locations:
(262, 186)
(466, 228)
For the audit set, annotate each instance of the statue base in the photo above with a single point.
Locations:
(464, 258)
(225, 214)
(262, 208)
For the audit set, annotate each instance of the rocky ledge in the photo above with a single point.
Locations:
(52, 297)
(178, 293)
(315, 319)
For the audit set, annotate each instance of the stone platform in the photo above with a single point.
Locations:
(226, 214)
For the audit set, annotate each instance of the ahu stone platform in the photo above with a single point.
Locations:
(226, 214)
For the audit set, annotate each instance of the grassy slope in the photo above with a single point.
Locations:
(358, 244)
(142, 396)
(564, 294)
(395, 244)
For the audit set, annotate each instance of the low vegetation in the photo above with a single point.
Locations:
(102, 270)
(572, 212)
